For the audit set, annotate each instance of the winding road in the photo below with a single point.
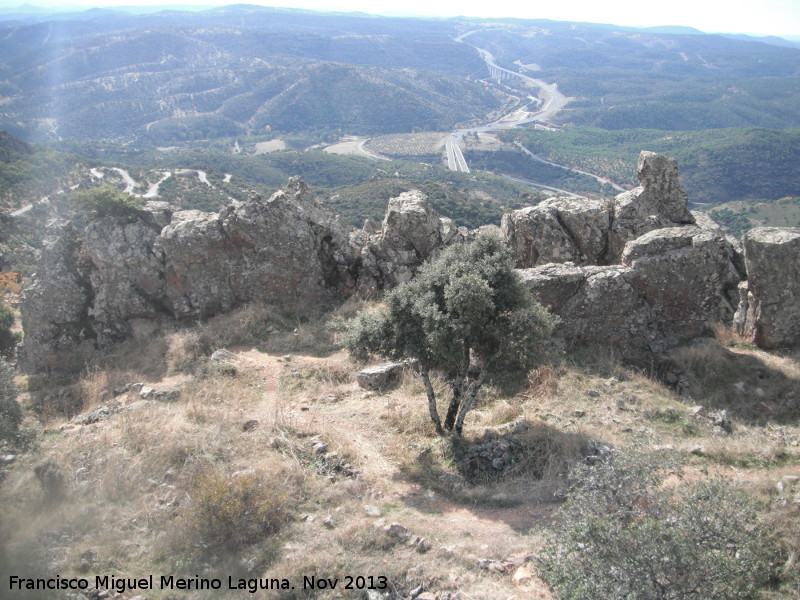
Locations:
(130, 185)
(553, 102)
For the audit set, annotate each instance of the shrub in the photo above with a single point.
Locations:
(8, 338)
(228, 513)
(106, 201)
(10, 411)
(624, 534)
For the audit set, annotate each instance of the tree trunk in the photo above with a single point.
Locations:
(467, 400)
(432, 402)
(452, 410)
(458, 389)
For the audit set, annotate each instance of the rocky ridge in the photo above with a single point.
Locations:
(639, 272)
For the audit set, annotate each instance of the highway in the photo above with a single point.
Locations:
(553, 101)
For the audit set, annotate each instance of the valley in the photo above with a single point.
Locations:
(210, 219)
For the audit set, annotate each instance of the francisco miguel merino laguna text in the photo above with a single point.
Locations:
(171, 582)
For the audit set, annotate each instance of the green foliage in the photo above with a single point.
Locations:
(467, 315)
(106, 201)
(8, 338)
(511, 162)
(624, 534)
(10, 411)
(29, 176)
(716, 165)
(736, 223)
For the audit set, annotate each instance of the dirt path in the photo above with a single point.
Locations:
(354, 418)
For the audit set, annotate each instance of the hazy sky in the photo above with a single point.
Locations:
(763, 17)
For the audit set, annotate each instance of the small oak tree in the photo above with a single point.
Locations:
(105, 201)
(468, 316)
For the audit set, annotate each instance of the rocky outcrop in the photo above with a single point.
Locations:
(591, 232)
(658, 202)
(285, 249)
(411, 233)
(634, 272)
(125, 276)
(558, 230)
(673, 285)
(55, 313)
(116, 280)
(687, 276)
(769, 310)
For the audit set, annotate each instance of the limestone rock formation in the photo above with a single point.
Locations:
(558, 230)
(411, 233)
(658, 202)
(769, 312)
(58, 331)
(113, 279)
(592, 232)
(674, 285)
(116, 280)
(285, 249)
(635, 272)
(125, 276)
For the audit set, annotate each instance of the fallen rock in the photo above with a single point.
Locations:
(379, 377)
(398, 531)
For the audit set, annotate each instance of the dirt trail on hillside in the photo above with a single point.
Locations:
(355, 421)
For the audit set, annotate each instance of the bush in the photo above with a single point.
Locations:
(230, 513)
(468, 316)
(624, 534)
(106, 201)
(10, 411)
(8, 338)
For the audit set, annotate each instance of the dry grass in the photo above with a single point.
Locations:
(163, 486)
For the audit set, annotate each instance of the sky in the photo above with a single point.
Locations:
(761, 17)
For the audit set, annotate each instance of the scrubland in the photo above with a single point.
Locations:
(270, 462)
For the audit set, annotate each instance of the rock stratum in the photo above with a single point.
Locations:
(639, 272)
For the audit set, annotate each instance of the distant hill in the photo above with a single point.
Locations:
(621, 78)
(172, 76)
(718, 165)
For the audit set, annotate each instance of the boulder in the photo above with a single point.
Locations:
(769, 309)
(674, 285)
(687, 276)
(597, 305)
(379, 377)
(411, 233)
(558, 230)
(593, 232)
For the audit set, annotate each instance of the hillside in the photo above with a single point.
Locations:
(717, 165)
(162, 440)
(190, 416)
(155, 81)
(623, 78)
